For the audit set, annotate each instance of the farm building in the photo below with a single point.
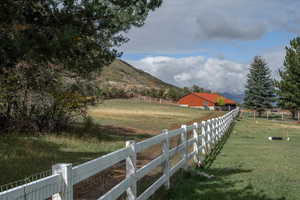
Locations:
(208, 101)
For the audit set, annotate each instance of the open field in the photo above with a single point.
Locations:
(250, 166)
(115, 122)
(145, 117)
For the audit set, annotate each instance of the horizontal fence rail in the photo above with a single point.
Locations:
(196, 142)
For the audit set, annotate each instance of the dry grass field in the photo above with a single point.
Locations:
(145, 117)
(113, 122)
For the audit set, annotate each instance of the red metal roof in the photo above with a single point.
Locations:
(212, 97)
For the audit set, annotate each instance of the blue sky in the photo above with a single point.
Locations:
(211, 42)
(240, 51)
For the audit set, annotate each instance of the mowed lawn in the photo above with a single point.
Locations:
(115, 121)
(250, 167)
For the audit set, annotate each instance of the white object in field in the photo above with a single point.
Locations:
(277, 138)
(270, 138)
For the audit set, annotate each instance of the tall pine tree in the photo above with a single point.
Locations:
(289, 85)
(259, 92)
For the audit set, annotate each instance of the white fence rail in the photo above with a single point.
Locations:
(59, 186)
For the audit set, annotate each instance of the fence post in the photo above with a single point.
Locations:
(213, 131)
(208, 132)
(184, 141)
(267, 115)
(197, 159)
(166, 165)
(222, 127)
(131, 170)
(298, 116)
(204, 140)
(225, 124)
(65, 170)
(219, 128)
(282, 116)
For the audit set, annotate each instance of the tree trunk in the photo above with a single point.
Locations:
(260, 113)
(294, 113)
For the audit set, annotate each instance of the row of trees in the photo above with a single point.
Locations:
(170, 93)
(262, 92)
(49, 51)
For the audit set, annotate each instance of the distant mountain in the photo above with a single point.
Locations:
(122, 75)
(236, 97)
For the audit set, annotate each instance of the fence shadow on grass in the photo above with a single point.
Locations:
(23, 156)
(107, 133)
(218, 148)
(191, 187)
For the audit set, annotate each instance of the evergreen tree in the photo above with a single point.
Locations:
(259, 92)
(289, 85)
(196, 88)
(186, 91)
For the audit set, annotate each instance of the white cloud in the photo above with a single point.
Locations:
(275, 59)
(181, 26)
(186, 26)
(216, 74)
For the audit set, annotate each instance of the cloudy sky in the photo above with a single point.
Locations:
(211, 42)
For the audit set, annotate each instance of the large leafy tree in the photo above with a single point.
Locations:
(81, 35)
(49, 50)
(289, 85)
(259, 90)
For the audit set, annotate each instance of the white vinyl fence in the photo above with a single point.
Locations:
(59, 186)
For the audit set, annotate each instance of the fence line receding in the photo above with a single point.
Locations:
(196, 142)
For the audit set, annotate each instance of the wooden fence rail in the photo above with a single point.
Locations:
(195, 146)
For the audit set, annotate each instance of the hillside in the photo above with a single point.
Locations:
(120, 74)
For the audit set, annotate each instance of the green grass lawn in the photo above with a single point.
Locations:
(22, 156)
(115, 121)
(250, 167)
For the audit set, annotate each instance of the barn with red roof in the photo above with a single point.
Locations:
(208, 101)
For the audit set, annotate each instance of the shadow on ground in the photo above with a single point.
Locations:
(195, 187)
(218, 148)
(108, 133)
(23, 156)
(191, 186)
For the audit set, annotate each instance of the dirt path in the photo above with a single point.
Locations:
(102, 182)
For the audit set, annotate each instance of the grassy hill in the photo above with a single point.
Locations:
(120, 74)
